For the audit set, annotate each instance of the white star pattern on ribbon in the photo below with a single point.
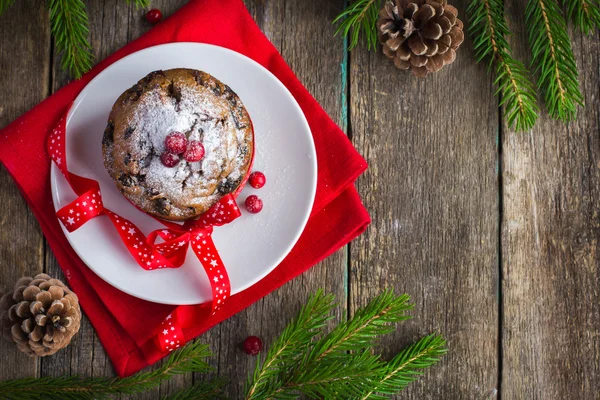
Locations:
(150, 255)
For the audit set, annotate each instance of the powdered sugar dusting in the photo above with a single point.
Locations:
(200, 114)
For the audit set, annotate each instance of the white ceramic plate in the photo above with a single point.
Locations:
(251, 246)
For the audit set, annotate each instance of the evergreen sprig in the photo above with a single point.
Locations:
(553, 58)
(69, 26)
(4, 4)
(585, 14)
(359, 20)
(291, 344)
(139, 3)
(489, 31)
(340, 364)
(407, 366)
(190, 358)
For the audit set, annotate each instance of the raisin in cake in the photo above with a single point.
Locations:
(177, 142)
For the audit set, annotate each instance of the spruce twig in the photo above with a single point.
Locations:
(361, 331)
(553, 59)
(408, 365)
(4, 4)
(289, 346)
(358, 20)
(139, 3)
(585, 14)
(517, 93)
(188, 359)
(341, 363)
(69, 26)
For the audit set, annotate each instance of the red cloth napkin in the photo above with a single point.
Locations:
(126, 325)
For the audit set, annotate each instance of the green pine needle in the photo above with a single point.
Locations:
(290, 345)
(585, 14)
(69, 26)
(359, 20)
(361, 331)
(190, 358)
(517, 93)
(4, 4)
(408, 365)
(139, 3)
(553, 59)
(341, 364)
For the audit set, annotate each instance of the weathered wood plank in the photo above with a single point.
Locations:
(550, 235)
(24, 62)
(433, 194)
(302, 31)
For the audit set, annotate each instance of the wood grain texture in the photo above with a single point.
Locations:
(432, 192)
(24, 50)
(550, 238)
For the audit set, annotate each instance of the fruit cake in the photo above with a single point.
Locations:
(177, 142)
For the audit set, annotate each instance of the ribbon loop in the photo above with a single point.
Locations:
(82, 209)
(150, 255)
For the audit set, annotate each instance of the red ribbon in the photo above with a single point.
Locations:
(150, 255)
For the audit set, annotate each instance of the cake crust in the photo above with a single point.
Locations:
(201, 107)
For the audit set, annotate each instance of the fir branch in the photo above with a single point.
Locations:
(407, 366)
(69, 26)
(341, 378)
(341, 363)
(517, 93)
(188, 359)
(4, 4)
(358, 20)
(553, 58)
(208, 390)
(139, 3)
(290, 345)
(585, 14)
(362, 330)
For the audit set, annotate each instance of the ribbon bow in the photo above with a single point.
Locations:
(150, 255)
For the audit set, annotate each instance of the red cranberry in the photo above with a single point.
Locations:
(257, 180)
(176, 142)
(169, 159)
(194, 151)
(254, 204)
(154, 16)
(252, 345)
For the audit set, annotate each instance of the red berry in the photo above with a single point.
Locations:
(252, 345)
(254, 204)
(169, 159)
(194, 151)
(257, 180)
(176, 142)
(153, 16)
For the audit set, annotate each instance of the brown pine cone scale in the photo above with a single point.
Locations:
(420, 35)
(40, 315)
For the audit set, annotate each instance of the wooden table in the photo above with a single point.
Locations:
(493, 233)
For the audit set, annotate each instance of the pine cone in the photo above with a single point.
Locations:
(420, 35)
(40, 315)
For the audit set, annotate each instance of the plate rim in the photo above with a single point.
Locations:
(54, 173)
